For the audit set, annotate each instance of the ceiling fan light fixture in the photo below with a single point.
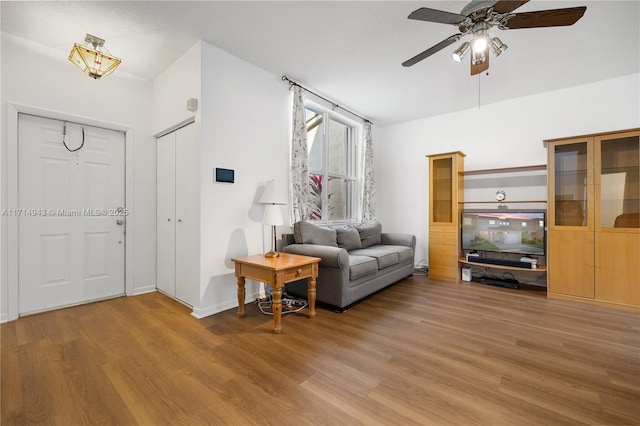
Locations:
(93, 61)
(497, 46)
(478, 17)
(461, 51)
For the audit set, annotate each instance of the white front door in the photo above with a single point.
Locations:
(71, 214)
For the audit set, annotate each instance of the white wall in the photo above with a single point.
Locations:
(245, 126)
(171, 89)
(242, 123)
(44, 80)
(504, 134)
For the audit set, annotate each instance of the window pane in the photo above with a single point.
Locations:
(338, 196)
(314, 140)
(315, 186)
(338, 140)
(332, 181)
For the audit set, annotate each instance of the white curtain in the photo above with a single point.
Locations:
(299, 192)
(369, 181)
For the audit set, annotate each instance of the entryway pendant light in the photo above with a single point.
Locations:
(94, 61)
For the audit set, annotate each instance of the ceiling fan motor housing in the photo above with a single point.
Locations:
(476, 5)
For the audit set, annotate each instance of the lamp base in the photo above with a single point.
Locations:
(272, 254)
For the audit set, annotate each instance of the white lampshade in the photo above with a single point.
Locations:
(272, 215)
(272, 195)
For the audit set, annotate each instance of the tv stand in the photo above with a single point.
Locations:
(540, 268)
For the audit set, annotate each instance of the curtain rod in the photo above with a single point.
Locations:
(333, 104)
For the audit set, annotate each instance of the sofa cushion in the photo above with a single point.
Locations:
(370, 233)
(348, 238)
(405, 254)
(360, 266)
(308, 233)
(384, 258)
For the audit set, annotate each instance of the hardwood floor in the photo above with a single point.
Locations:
(419, 352)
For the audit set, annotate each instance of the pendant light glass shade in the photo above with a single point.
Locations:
(94, 62)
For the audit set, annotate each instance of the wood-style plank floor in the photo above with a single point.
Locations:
(419, 352)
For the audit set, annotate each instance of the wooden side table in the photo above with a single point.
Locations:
(277, 271)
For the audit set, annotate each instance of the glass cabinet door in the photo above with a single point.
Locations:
(618, 171)
(442, 198)
(571, 184)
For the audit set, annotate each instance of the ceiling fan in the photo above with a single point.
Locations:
(478, 17)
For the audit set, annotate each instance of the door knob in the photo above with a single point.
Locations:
(120, 221)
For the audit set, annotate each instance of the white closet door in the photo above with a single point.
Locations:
(182, 213)
(71, 221)
(178, 218)
(166, 216)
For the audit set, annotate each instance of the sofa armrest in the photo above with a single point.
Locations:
(398, 239)
(332, 257)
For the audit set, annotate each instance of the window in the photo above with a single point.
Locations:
(332, 149)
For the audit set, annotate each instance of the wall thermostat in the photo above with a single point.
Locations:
(225, 175)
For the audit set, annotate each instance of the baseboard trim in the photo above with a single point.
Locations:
(143, 290)
(206, 311)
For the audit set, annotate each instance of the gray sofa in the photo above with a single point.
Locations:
(356, 260)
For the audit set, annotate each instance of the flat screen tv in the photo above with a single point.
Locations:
(518, 232)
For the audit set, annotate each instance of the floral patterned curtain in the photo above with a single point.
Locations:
(299, 192)
(369, 182)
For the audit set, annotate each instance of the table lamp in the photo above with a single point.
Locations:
(272, 213)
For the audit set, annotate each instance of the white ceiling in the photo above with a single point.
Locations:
(348, 51)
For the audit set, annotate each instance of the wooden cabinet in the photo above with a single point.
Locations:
(594, 211)
(446, 193)
(177, 217)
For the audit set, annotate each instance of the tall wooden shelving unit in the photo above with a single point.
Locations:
(594, 218)
(446, 197)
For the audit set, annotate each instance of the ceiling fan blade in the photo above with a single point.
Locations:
(506, 6)
(433, 49)
(483, 66)
(545, 18)
(433, 15)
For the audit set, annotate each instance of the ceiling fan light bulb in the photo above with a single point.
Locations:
(479, 44)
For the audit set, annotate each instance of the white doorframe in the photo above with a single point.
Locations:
(12, 194)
